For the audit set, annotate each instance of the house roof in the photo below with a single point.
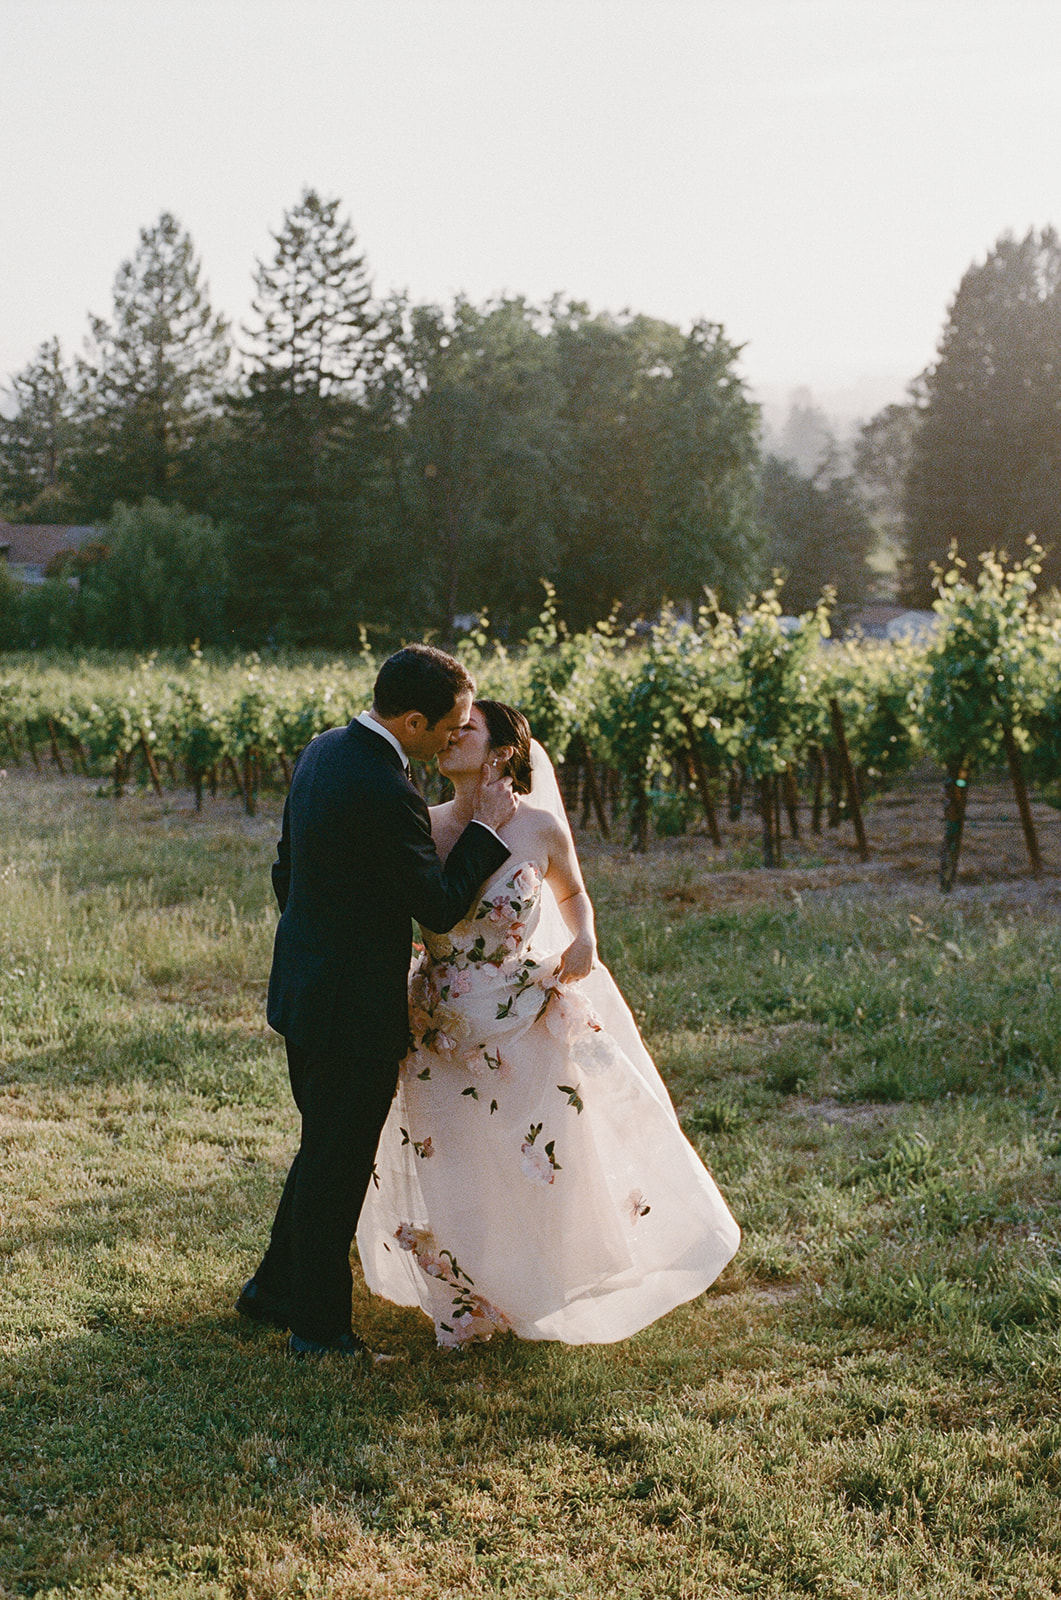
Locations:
(881, 621)
(872, 619)
(36, 544)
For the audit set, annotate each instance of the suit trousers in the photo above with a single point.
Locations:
(343, 1101)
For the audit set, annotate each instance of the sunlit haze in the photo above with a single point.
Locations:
(816, 175)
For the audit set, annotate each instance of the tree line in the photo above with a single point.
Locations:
(348, 460)
(972, 460)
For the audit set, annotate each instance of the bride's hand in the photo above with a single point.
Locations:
(577, 960)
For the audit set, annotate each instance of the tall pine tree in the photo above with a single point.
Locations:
(986, 460)
(37, 440)
(151, 380)
(305, 433)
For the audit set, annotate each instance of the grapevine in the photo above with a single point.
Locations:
(654, 722)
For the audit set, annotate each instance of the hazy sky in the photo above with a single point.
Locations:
(816, 175)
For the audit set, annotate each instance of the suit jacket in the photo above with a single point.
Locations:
(355, 864)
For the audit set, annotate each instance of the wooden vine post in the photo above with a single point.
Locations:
(788, 781)
(1020, 789)
(593, 788)
(836, 787)
(955, 795)
(702, 784)
(54, 743)
(152, 767)
(816, 762)
(249, 783)
(639, 817)
(735, 791)
(836, 716)
(233, 771)
(768, 812)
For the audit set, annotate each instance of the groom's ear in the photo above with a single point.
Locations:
(414, 723)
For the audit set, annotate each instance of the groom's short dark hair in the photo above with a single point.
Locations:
(420, 678)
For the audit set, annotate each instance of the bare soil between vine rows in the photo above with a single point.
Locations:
(904, 832)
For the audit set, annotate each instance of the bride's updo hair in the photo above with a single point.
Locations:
(506, 725)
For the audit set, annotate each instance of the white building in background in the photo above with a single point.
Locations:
(882, 621)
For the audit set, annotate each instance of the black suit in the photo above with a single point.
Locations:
(355, 864)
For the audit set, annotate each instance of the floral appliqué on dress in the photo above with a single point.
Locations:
(469, 1318)
(499, 1100)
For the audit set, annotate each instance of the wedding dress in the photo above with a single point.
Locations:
(532, 1174)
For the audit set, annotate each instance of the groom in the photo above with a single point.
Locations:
(354, 865)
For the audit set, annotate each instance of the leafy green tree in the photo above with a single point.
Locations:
(883, 455)
(659, 465)
(305, 444)
(151, 380)
(604, 368)
(819, 534)
(986, 465)
(164, 581)
(474, 454)
(10, 610)
(50, 615)
(615, 458)
(317, 323)
(704, 458)
(36, 440)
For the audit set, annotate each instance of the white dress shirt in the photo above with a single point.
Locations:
(368, 721)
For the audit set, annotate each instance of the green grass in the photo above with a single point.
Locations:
(868, 1403)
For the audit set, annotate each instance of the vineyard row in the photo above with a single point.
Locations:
(655, 727)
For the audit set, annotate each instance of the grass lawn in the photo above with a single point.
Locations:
(868, 1403)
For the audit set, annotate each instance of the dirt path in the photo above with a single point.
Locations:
(904, 831)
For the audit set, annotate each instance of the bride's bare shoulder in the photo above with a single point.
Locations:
(541, 825)
(534, 816)
(537, 813)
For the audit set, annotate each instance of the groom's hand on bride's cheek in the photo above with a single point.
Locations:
(494, 803)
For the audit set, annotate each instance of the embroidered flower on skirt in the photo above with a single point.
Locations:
(473, 1321)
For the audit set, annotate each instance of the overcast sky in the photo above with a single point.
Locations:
(816, 175)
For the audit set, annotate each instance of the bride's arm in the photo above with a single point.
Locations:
(565, 880)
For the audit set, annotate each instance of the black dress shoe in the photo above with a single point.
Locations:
(347, 1344)
(259, 1306)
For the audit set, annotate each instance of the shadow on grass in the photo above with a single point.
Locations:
(173, 1050)
(187, 1214)
(189, 1446)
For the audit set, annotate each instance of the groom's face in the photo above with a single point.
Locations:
(424, 743)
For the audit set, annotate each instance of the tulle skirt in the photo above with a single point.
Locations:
(533, 1176)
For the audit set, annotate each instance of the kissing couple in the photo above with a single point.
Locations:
(486, 1120)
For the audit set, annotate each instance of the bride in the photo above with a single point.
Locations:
(532, 1174)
